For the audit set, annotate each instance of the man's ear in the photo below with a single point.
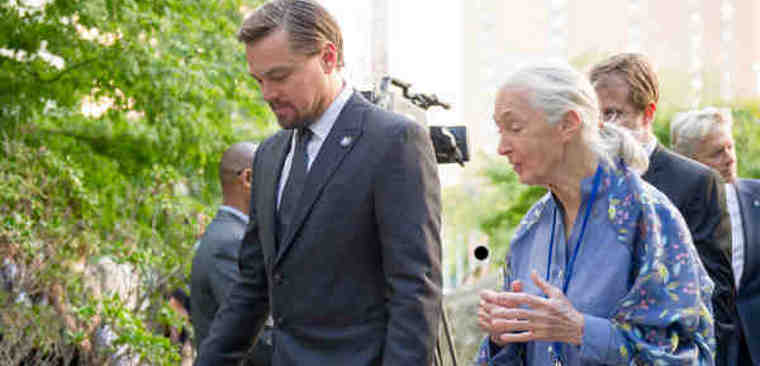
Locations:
(649, 111)
(329, 58)
(246, 176)
(570, 125)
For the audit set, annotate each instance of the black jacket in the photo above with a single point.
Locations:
(748, 297)
(215, 269)
(698, 193)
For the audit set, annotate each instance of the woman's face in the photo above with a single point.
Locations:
(532, 145)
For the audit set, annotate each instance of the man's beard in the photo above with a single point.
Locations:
(295, 120)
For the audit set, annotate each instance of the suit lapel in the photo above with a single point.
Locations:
(267, 198)
(343, 136)
(654, 171)
(750, 214)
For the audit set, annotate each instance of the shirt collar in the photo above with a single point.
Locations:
(651, 145)
(731, 191)
(235, 212)
(321, 128)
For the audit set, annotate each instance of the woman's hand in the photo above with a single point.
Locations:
(487, 305)
(515, 317)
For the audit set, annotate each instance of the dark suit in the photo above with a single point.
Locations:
(697, 191)
(215, 269)
(748, 297)
(357, 280)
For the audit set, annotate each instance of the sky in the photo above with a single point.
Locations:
(424, 49)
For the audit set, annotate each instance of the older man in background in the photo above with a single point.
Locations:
(628, 92)
(706, 136)
(215, 264)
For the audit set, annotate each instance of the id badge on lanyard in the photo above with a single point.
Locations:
(555, 351)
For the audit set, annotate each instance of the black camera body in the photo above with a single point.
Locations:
(447, 152)
(449, 142)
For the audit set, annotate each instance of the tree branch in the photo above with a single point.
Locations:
(65, 71)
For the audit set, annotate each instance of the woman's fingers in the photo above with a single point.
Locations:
(511, 325)
(517, 316)
(514, 313)
(521, 337)
(551, 291)
(518, 299)
(489, 295)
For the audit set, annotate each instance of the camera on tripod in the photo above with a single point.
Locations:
(449, 142)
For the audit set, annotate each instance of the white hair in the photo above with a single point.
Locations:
(687, 129)
(556, 89)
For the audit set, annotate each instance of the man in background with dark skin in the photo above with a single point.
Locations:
(343, 246)
(628, 92)
(215, 264)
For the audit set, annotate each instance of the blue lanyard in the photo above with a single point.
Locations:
(569, 270)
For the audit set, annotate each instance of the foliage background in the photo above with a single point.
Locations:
(134, 183)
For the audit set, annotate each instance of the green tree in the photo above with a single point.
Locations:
(132, 182)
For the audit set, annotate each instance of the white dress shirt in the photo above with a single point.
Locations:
(234, 212)
(650, 146)
(737, 233)
(320, 129)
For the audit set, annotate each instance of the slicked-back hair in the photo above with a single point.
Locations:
(308, 25)
(637, 72)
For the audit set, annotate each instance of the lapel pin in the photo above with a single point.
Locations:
(346, 141)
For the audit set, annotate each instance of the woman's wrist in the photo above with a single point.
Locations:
(580, 323)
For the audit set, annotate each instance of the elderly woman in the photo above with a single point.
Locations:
(602, 270)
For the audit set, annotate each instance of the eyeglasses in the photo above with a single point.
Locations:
(613, 115)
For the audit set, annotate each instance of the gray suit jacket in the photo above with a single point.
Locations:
(215, 269)
(358, 278)
(748, 298)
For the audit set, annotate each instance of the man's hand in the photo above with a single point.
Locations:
(517, 317)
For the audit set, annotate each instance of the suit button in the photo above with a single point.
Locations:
(279, 321)
(278, 279)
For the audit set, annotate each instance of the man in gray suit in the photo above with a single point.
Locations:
(705, 135)
(215, 263)
(343, 244)
(628, 92)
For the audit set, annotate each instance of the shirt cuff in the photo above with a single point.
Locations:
(493, 347)
(492, 354)
(598, 343)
